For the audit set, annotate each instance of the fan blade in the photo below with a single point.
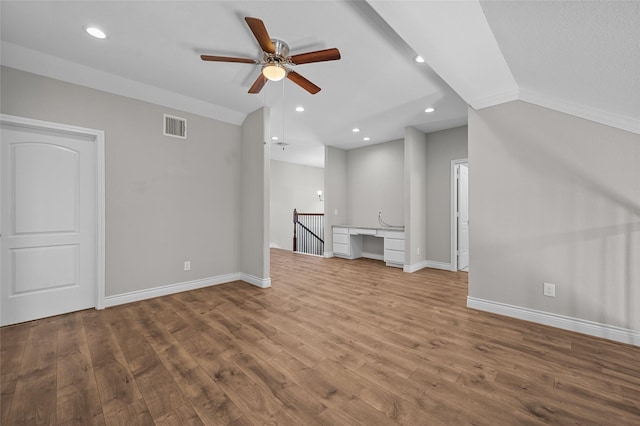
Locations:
(317, 56)
(257, 85)
(260, 33)
(227, 59)
(303, 82)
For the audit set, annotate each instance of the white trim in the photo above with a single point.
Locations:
(427, 264)
(495, 99)
(253, 280)
(453, 209)
(101, 183)
(374, 256)
(438, 265)
(328, 254)
(605, 331)
(415, 267)
(629, 124)
(35, 62)
(136, 296)
(99, 140)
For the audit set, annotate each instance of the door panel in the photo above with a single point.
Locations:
(42, 268)
(45, 178)
(463, 217)
(49, 228)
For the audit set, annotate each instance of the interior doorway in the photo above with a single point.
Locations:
(460, 215)
(52, 214)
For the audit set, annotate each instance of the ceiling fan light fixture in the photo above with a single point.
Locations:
(274, 72)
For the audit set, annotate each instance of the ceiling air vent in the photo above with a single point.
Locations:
(175, 126)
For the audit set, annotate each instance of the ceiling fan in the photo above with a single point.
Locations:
(276, 60)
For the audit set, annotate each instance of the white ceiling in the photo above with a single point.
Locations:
(578, 57)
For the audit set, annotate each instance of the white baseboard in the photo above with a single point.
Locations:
(135, 296)
(328, 254)
(619, 334)
(427, 264)
(415, 267)
(374, 256)
(253, 280)
(438, 265)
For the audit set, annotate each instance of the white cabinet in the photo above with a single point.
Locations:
(394, 248)
(341, 242)
(348, 243)
(345, 244)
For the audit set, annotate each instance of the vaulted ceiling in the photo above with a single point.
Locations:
(582, 58)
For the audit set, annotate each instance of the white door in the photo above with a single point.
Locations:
(48, 223)
(463, 217)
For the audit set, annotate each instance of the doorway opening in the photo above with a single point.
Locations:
(460, 215)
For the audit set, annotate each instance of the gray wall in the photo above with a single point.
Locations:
(442, 147)
(256, 162)
(293, 186)
(335, 185)
(415, 202)
(555, 198)
(167, 200)
(375, 181)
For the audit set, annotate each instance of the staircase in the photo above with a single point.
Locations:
(308, 233)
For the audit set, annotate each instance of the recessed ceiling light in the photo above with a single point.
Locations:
(430, 109)
(299, 109)
(96, 32)
(366, 139)
(274, 138)
(419, 59)
(355, 130)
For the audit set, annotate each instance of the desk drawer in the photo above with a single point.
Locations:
(340, 238)
(341, 249)
(390, 244)
(393, 256)
(340, 230)
(362, 231)
(396, 235)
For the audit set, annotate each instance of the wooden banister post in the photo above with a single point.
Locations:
(295, 238)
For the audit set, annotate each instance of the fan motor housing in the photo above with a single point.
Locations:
(281, 52)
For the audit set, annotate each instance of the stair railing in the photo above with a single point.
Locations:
(307, 228)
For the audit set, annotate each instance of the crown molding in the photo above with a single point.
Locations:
(495, 99)
(40, 63)
(621, 122)
(617, 121)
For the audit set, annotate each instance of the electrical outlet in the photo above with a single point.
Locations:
(418, 250)
(335, 212)
(187, 265)
(379, 213)
(549, 290)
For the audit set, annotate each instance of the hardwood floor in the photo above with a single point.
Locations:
(333, 342)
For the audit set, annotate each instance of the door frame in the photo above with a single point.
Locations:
(97, 136)
(454, 210)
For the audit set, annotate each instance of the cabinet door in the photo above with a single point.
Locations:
(394, 256)
(341, 242)
(342, 249)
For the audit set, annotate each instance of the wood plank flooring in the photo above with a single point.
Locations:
(333, 342)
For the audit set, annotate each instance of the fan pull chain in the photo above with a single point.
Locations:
(283, 138)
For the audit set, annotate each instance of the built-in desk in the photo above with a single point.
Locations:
(347, 242)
